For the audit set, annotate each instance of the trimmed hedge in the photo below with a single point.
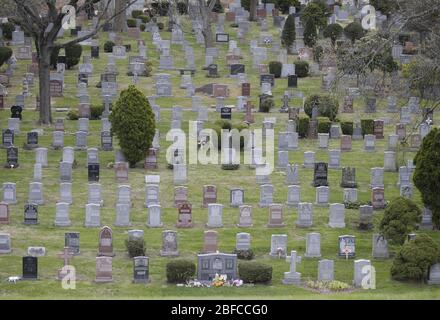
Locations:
(367, 126)
(180, 270)
(136, 14)
(303, 126)
(73, 55)
(108, 46)
(131, 23)
(5, 54)
(8, 28)
(96, 111)
(254, 272)
(244, 254)
(145, 18)
(275, 68)
(327, 105)
(324, 125)
(302, 68)
(267, 104)
(135, 248)
(347, 128)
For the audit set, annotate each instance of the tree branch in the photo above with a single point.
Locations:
(98, 26)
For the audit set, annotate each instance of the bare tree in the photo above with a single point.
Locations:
(253, 10)
(204, 8)
(120, 21)
(43, 20)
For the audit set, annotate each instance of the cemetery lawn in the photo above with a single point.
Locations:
(190, 241)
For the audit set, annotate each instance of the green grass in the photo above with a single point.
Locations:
(190, 241)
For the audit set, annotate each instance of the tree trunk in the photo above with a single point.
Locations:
(120, 21)
(207, 30)
(44, 81)
(253, 10)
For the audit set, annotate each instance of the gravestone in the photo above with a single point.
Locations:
(123, 215)
(245, 216)
(378, 198)
(313, 245)
(93, 172)
(348, 179)
(337, 215)
(209, 195)
(62, 215)
(106, 242)
(275, 216)
(184, 219)
(236, 197)
(93, 215)
(380, 247)
(322, 196)
(169, 244)
(359, 273)
(215, 212)
(151, 194)
(141, 269)
(36, 193)
(278, 245)
(434, 274)
(216, 263)
(292, 277)
(5, 243)
(4, 213)
(9, 193)
(292, 177)
(30, 268)
(12, 158)
(210, 244)
(266, 195)
(347, 246)
(293, 195)
(154, 216)
(325, 270)
(320, 174)
(104, 269)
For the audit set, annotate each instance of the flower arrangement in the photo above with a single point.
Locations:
(218, 281)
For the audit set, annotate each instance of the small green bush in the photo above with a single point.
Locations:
(142, 27)
(108, 46)
(224, 124)
(5, 54)
(160, 25)
(415, 257)
(218, 7)
(96, 112)
(244, 254)
(275, 68)
(283, 5)
(347, 128)
(73, 55)
(400, 218)
(73, 115)
(324, 125)
(133, 122)
(354, 31)
(302, 68)
(135, 14)
(8, 28)
(367, 126)
(135, 248)
(333, 31)
(180, 270)
(145, 18)
(254, 272)
(327, 105)
(131, 23)
(267, 104)
(303, 126)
